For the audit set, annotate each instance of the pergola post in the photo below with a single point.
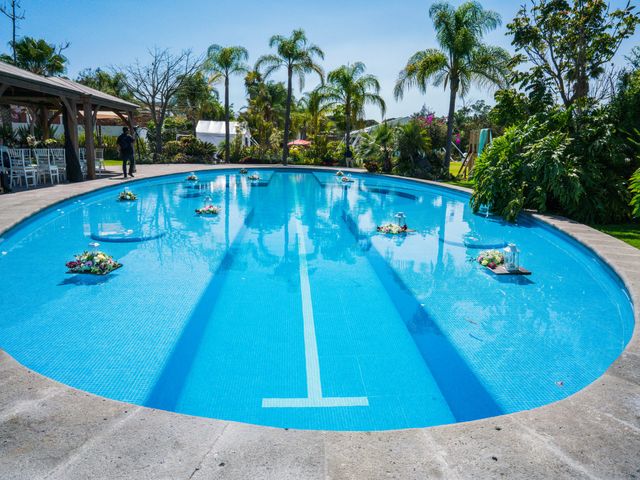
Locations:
(90, 151)
(44, 122)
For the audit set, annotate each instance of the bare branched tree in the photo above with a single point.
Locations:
(155, 84)
(13, 13)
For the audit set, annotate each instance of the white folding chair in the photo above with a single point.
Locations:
(100, 159)
(59, 159)
(82, 157)
(21, 169)
(46, 169)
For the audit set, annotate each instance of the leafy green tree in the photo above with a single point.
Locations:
(197, 100)
(569, 43)
(38, 56)
(413, 146)
(351, 88)
(297, 56)
(222, 63)
(113, 84)
(461, 60)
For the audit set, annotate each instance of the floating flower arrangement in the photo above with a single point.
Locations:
(393, 229)
(192, 177)
(208, 210)
(491, 258)
(127, 196)
(243, 171)
(339, 173)
(254, 177)
(346, 179)
(94, 263)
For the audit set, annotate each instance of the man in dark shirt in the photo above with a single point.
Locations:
(125, 146)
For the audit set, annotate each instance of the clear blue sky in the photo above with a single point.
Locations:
(381, 33)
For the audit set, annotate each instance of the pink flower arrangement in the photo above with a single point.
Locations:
(96, 263)
(208, 210)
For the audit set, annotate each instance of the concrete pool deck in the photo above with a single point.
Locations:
(51, 431)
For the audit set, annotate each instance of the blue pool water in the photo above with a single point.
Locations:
(288, 309)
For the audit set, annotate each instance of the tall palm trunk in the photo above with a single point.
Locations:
(227, 134)
(452, 110)
(347, 141)
(287, 118)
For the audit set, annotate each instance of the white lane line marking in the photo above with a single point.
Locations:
(314, 397)
(314, 385)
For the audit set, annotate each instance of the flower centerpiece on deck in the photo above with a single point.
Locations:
(127, 196)
(95, 263)
(208, 210)
(491, 258)
(192, 177)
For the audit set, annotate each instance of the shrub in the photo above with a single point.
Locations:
(188, 149)
(634, 188)
(372, 166)
(556, 162)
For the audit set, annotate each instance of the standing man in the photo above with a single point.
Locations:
(125, 147)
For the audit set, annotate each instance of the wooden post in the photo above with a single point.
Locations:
(44, 121)
(70, 124)
(89, 145)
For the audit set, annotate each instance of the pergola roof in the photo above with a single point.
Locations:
(26, 87)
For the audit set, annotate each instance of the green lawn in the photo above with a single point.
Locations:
(454, 168)
(629, 232)
(113, 163)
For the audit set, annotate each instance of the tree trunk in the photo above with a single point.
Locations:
(287, 118)
(158, 139)
(452, 110)
(74, 172)
(347, 140)
(227, 133)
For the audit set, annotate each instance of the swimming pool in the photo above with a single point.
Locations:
(288, 309)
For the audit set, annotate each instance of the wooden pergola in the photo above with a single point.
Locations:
(48, 97)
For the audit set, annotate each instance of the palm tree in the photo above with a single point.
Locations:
(349, 87)
(379, 145)
(297, 55)
(221, 63)
(462, 60)
(312, 104)
(38, 56)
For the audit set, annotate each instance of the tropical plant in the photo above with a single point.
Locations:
(194, 98)
(634, 188)
(38, 56)
(222, 63)
(297, 56)
(377, 147)
(413, 146)
(550, 164)
(349, 87)
(314, 109)
(568, 43)
(461, 60)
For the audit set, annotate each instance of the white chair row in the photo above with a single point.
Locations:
(30, 167)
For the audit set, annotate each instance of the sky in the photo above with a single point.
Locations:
(381, 33)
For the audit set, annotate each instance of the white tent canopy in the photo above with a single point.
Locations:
(214, 132)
